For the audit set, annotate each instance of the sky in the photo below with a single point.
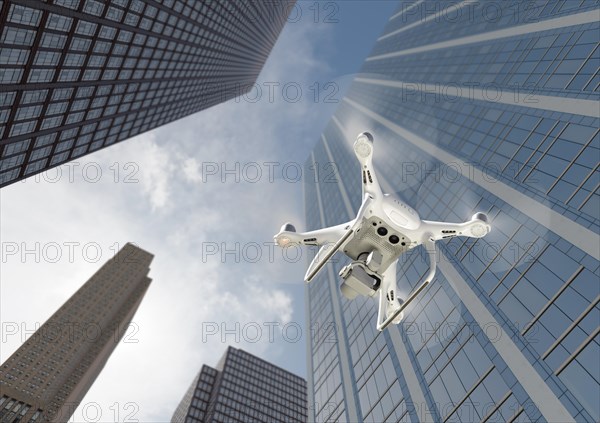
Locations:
(205, 195)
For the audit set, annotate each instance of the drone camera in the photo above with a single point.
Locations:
(357, 281)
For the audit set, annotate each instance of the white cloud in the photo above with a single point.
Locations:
(191, 170)
(148, 163)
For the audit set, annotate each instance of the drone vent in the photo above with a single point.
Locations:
(369, 240)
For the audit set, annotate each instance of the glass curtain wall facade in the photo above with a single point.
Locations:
(79, 75)
(48, 376)
(474, 106)
(243, 388)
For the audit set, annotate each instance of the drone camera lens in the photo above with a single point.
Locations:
(394, 239)
(382, 231)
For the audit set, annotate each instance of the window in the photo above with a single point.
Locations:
(86, 28)
(9, 176)
(84, 139)
(146, 24)
(18, 36)
(51, 122)
(10, 76)
(125, 36)
(71, 4)
(115, 62)
(34, 96)
(24, 15)
(69, 75)
(119, 49)
(40, 153)
(139, 39)
(57, 108)
(34, 167)
(101, 47)
(22, 128)
(94, 7)
(88, 128)
(74, 118)
(80, 44)
(28, 112)
(80, 105)
(103, 90)
(93, 114)
(16, 147)
(40, 75)
(150, 11)
(59, 158)
(137, 6)
(109, 74)
(131, 19)
(7, 98)
(65, 145)
(59, 22)
(96, 61)
(62, 93)
(11, 162)
(79, 151)
(91, 75)
(114, 14)
(74, 59)
(107, 32)
(53, 40)
(46, 58)
(45, 140)
(134, 51)
(4, 116)
(13, 56)
(110, 110)
(84, 92)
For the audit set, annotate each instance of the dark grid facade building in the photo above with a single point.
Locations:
(486, 106)
(243, 388)
(48, 376)
(79, 75)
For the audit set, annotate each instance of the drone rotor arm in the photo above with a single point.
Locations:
(477, 227)
(318, 237)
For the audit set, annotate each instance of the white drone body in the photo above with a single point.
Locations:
(384, 228)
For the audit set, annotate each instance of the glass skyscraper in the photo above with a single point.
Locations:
(80, 75)
(474, 106)
(243, 388)
(48, 376)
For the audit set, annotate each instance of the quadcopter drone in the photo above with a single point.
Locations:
(384, 228)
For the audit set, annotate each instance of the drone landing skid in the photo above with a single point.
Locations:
(323, 260)
(382, 322)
